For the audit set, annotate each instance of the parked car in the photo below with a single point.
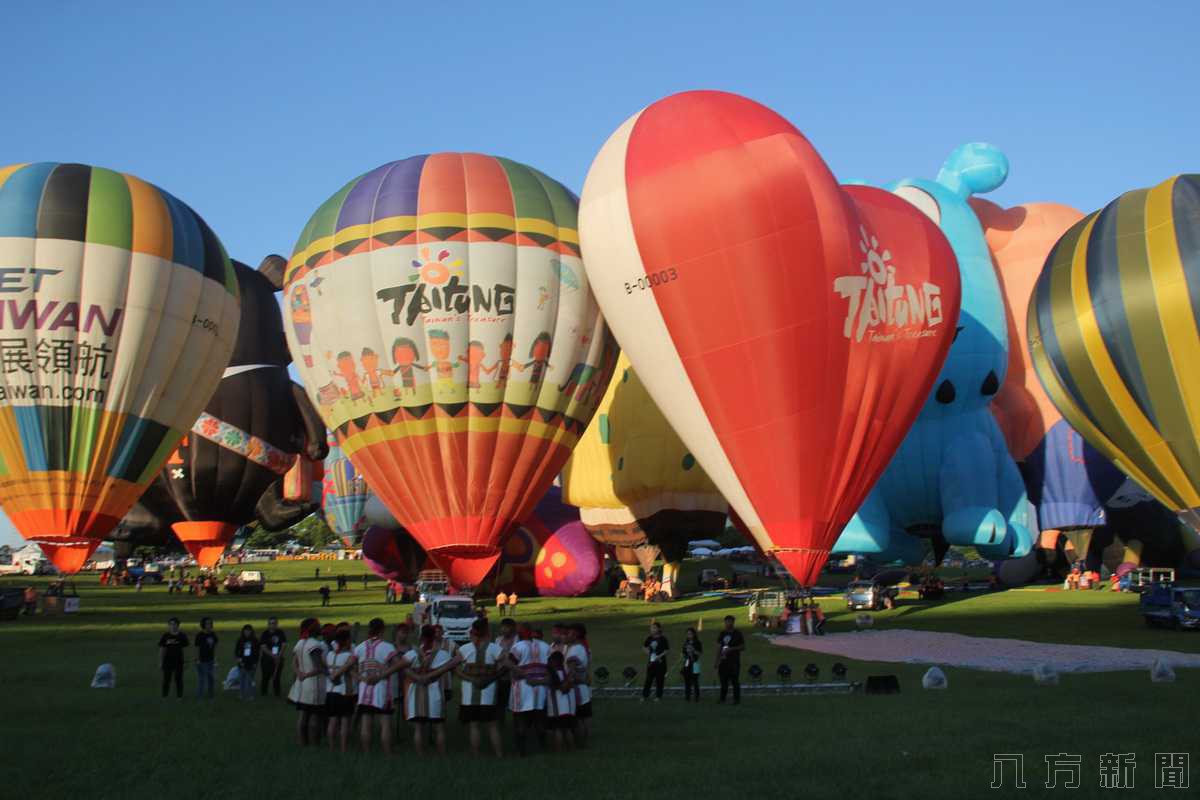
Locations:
(1163, 605)
(879, 591)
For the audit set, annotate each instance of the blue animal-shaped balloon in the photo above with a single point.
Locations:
(953, 480)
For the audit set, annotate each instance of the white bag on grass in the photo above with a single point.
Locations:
(934, 678)
(1045, 675)
(232, 679)
(1161, 672)
(105, 677)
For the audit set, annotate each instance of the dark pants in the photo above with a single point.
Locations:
(503, 693)
(731, 675)
(656, 673)
(691, 684)
(172, 670)
(204, 679)
(272, 671)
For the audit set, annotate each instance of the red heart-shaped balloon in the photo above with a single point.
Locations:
(789, 328)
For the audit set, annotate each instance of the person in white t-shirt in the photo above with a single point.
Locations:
(479, 669)
(376, 660)
(528, 702)
(579, 667)
(424, 703)
(340, 691)
(308, 692)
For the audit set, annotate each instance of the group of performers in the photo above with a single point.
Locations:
(545, 685)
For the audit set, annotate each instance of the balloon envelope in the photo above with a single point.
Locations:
(120, 311)
(344, 492)
(1113, 335)
(456, 389)
(392, 554)
(791, 328)
(248, 435)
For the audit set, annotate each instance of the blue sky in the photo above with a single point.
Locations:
(254, 113)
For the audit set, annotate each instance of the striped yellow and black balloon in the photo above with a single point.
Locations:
(118, 312)
(1114, 333)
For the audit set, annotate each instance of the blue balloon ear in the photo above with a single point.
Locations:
(974, 168)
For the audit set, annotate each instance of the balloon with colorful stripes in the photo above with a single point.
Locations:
(440, 316)
(118, 312)
(344, 494)
(1113, 334)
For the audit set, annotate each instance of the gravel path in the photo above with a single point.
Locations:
(994, 655)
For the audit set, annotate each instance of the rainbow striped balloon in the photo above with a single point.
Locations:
(1115, 339)
(118, 312)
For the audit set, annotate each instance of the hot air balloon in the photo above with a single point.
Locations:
(344, 494)
(119, 312)
(249, 434)
(604, 515)
(631, 459)
(1113, 337)
(392, 554)
(550, 553)
(445, 328)
(789, 328)
(952, 480)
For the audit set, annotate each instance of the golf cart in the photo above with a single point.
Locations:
(879, 591)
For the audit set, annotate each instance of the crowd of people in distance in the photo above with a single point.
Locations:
(798, 615)
(376, 683)
(727, 661)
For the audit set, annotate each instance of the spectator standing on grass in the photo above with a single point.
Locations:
(692, 650)
(506, 640)
(206, 657)
(478, 669)
(560, 702)
(501, 604)
(366, 578)
(246, 652)
(528, 658)
(512, 604)
(376, 662)
(341, 693)
(730, 645)
(30, 597)
(656, 647)
(308, 691)
(170, 656)
(271, 655)
(425, 706)
(579, 659)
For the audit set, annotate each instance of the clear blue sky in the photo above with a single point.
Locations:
(255, 114)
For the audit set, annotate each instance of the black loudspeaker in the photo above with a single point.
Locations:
(882, 684)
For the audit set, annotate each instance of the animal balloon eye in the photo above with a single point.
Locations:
(991, 384)
(945, 393)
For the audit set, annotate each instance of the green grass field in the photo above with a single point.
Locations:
(64, 739)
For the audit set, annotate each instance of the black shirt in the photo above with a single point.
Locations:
(173, 644)
(658, 647)
(245, 651)
(274, 642)
(691, 652)
(731, 639)
(206, 641)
